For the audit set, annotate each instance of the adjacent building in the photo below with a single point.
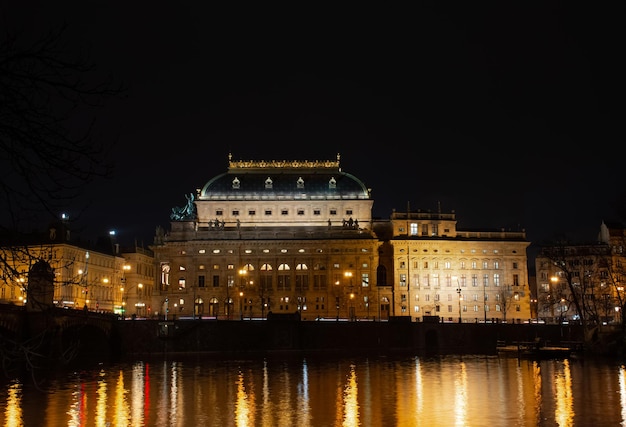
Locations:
(588, 279)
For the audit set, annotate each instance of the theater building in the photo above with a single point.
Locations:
(269, 238)
(297, 238)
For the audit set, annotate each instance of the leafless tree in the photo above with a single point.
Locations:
(48, 151)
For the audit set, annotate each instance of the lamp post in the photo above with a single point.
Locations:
(458, 291)
(534, 309)
(348, 274)
(241, 305)
(337, 298)
(485, 301)
(242, 285)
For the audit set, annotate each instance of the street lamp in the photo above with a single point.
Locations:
(534, 309)
(458, 291)
(337, 298)
(241, 305)
(348, 274)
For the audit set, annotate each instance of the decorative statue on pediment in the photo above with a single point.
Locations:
(186, 212)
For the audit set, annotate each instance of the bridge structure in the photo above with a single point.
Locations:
(34, 339)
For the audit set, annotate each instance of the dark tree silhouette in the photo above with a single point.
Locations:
(48, 152)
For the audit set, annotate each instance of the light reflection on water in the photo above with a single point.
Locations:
(314, 391)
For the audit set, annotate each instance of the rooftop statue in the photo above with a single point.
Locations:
(186, 212)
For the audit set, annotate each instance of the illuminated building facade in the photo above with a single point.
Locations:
(85, 276)
(298, 237)
(583, 278)
(457, 275)
(280, 237)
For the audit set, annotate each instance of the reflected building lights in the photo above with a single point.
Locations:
(121, 414)
(284, 408)
(243, 413)
(137, 387)
(350, 401)
(174, 392)
(460, 397)
(521, 401)
(267, 406)
(419, 387)
(101, 400)
(77, 406)
(538, 390)
(13, 411)
(303, 401)
(622, 392)
(564, 410)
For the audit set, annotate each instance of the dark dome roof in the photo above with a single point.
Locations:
(291, 179)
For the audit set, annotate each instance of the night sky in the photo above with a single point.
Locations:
(510, 116)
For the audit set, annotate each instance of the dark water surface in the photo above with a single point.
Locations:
(322, 391)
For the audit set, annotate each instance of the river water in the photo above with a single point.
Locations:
(325, 391)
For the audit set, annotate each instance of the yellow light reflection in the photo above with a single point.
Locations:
(137, 388)
(243, 413)
(538, 390)
(350, 401)
(77, 407)
(121, 412)
(419, 387)
(460, 397)
(13, 414)
(101, 401)
(174, 392)
(622, 392)
(564, 411)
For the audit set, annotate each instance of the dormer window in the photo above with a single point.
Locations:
(236, 182)
(332, 183)
(268, 183)
(300, 182)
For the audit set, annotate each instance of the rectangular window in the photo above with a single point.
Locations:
(268, 212)
(216, 281)
(413, 229)
(300, 211)
(515, 280)
(317, 212)
(333, 211)
(319, 282)
(365, 280)
(266, 282)
(201, 281)
(402, 279)
(219, 212)
(302, 282)
(284, 282)
(485, 280)
(284, 212)
(251, 212)
(235, 212)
